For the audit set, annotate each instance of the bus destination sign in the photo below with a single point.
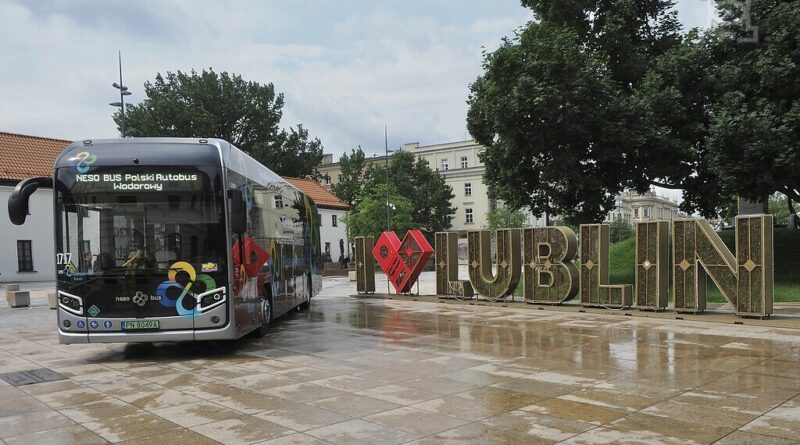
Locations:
(139, 182)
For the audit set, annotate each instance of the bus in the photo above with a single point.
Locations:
(167, 239)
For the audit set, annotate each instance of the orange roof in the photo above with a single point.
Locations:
(321, 197)
(28, 156)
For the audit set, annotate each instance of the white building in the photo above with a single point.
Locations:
(29, 248)
(333, 232)
(632, 207)
(462, 169)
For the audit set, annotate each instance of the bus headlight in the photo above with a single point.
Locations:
(70, 303)
(211, 299)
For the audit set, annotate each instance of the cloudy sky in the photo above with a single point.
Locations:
(347, 68)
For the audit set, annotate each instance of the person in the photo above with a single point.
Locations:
(139, 257)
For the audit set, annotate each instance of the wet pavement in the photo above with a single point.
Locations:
(354, 371)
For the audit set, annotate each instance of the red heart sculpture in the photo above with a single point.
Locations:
(402, 261)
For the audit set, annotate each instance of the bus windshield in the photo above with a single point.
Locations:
(133, 247)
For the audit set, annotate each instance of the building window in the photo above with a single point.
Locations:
(647, 212)
(334, 222)
(339, 178)
(24, 256)
(444, 164)
(464, 162)
(319, 219)
(467, 189)
(278, 201)
(636, 212)
(468, 216)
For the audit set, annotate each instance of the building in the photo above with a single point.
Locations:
(29, 247)
(462, 169)
(633, 207)
(333, 232)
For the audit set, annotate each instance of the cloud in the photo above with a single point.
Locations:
(346, 69)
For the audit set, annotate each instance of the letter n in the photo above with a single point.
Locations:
(550, 276)
(480, 262)
(652, 265)
(447, 283)
(745, 280)
(595, 289)
(365, 265)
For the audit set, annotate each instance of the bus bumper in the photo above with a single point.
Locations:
(226, 333)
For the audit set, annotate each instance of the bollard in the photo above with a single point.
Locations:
(18, 298)
(52, 301)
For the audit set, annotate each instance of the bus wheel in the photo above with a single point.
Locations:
(266, 312)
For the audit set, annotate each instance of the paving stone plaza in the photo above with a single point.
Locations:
(380, 371)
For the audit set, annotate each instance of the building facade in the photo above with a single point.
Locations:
(462, 169)
(632, 207)
(29, 248)
(333, 231)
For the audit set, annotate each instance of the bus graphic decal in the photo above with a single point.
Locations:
(182, 278)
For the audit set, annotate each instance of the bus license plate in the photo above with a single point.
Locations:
(139, 325)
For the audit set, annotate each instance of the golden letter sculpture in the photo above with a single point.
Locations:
(447, 283)
(365, 265)
(480, 263)
(595, 289)
(746, 280)
(652, 265)
(550, 276)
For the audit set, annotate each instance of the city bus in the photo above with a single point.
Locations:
(165, 239)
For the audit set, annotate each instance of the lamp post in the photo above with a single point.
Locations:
(123, 91)
(386, 147)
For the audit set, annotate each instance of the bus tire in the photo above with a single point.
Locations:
(267, 311)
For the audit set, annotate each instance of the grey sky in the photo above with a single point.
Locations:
(345, 67)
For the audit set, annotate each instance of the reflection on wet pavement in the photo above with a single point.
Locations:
(371, 371)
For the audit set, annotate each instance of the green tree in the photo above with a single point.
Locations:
(754, 134)
(570, 112)
(425, 188)
(779, 209)
(620, 231)
(505, 218)
(244, 113)
(353, 177)
(369, 217)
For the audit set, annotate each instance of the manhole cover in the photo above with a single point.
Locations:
(40, 375)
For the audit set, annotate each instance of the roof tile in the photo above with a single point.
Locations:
(321, 196)
(28, 156)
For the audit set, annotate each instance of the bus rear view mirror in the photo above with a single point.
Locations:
(238, 211)
(18, 201)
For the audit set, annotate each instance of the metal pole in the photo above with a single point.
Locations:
(388, 220)
(121, 95)
(386, 148)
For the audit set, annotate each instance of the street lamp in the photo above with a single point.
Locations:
(123, 91)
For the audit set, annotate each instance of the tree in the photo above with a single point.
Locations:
(561, 108)
(353, 177)
(754, 135)
(426, 190)
(207, 104)
(369, 218)
(505, 218)
(779, 210)
(620, 231)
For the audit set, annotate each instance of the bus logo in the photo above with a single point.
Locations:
(140, 298)
(85, 161)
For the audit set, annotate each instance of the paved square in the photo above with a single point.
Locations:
(370, 371)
